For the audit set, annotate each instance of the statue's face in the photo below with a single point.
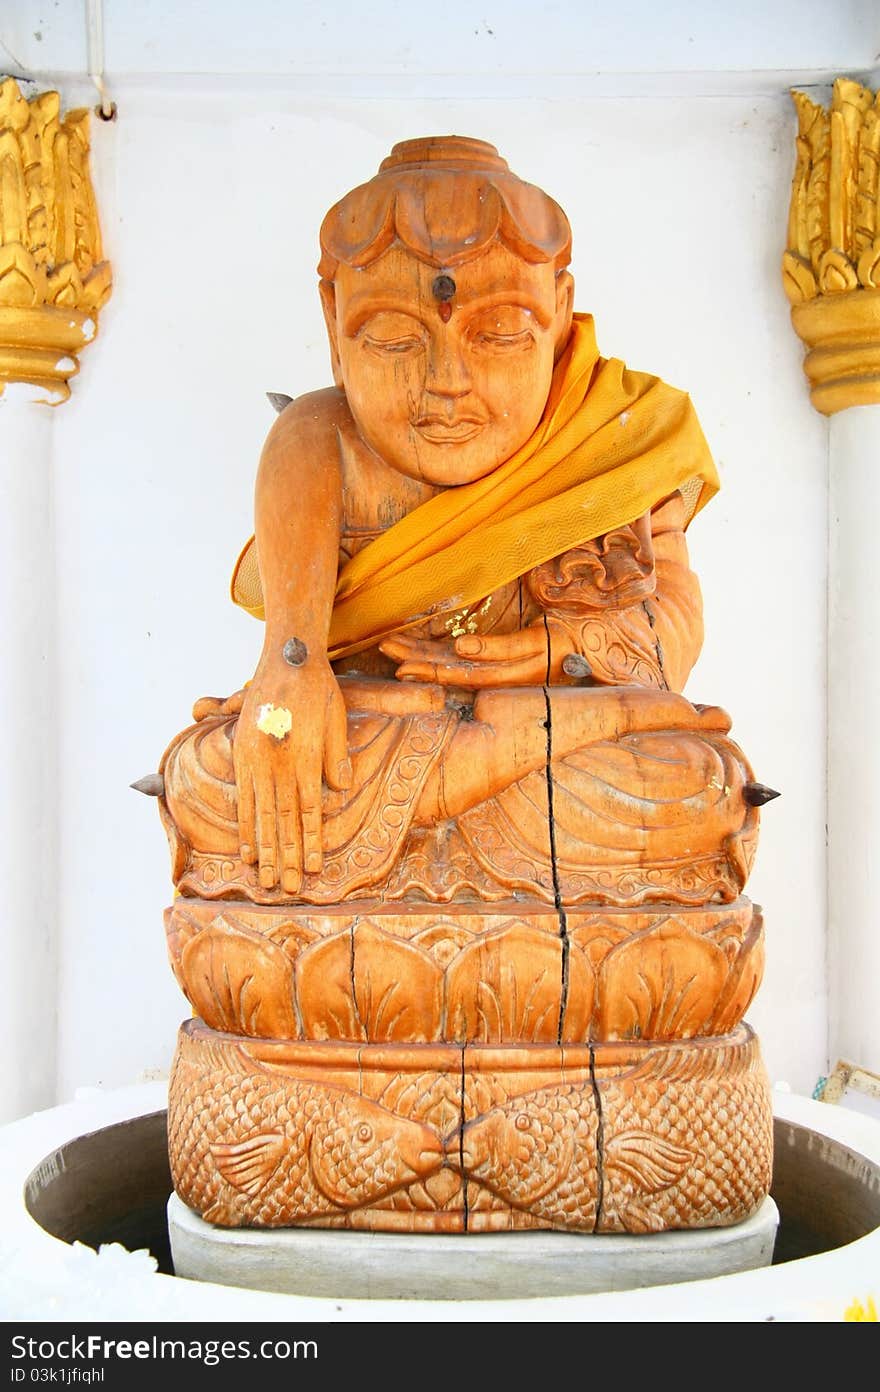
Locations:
(446, 395)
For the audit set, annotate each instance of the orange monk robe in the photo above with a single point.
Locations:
(611, 445)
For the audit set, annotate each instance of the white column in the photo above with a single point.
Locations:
(854, 737)
(29, 794)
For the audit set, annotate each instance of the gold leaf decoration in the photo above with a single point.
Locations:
(831, 267)
(22, 281)
(833, 214)
(51, 259)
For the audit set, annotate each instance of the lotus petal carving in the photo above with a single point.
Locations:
(270, 974)
(365, 984)
(507, 986)
(869, 266)
(744, 979)
(836, 273)
(239, 981)
(662, 983)
(798, 279)
(443, 940)
(179, 929)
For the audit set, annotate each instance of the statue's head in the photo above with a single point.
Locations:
(447, 302)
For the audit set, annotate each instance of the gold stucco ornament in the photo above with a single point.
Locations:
(831, 268)
(53, 278)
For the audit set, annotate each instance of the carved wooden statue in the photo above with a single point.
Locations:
(459, 871)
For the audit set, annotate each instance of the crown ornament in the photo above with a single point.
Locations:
(53, 278)
(831, 267)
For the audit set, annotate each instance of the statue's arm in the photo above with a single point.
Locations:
(297, 520)
(292, 725)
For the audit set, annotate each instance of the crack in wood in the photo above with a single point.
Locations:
(600, 1140)
(461, 1125)
(658, 647)
(351, 972)
(551, 826)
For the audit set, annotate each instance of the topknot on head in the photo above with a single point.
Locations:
(443, 151)
(445, 198)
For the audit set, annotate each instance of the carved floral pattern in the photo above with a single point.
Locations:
(831, 266)
(488, 978)
(834, 218)
(53, 278)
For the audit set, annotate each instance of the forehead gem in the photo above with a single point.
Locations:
(443, 287)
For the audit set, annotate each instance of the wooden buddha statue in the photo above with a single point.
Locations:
(459, 871)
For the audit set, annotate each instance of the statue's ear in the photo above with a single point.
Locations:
(327, 291)
(564, 308)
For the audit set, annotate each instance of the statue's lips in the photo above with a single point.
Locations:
(441, 432)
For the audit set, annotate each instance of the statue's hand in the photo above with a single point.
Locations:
(528, 657)
(292, 724)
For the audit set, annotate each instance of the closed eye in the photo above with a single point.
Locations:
(392, 345)
(504, 342)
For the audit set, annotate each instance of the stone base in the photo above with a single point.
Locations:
(494, 1266)
(640, 1137)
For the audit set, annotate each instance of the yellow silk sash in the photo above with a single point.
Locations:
(611, 445)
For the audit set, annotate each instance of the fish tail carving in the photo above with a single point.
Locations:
(653, 1163)
(249, 1165)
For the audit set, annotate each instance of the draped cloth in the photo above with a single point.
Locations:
(610, 445)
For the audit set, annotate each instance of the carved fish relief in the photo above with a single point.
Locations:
(305, 1150)
(540, 1153)
(676, 1142)
(714, 1102)
(672, 1143)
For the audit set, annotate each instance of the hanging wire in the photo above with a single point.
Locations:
(106, 108)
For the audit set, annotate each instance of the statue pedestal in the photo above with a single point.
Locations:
(440, 1138)
(489, 1266)
(424, 1069)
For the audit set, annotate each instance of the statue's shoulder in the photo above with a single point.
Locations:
(314, 421)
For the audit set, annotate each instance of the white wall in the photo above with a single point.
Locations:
(211, 195)
(479, 43)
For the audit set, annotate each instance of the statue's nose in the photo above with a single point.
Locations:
(447, 374)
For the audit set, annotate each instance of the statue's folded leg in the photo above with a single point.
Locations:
(638, 778)
(649, 808)
(516, 731)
